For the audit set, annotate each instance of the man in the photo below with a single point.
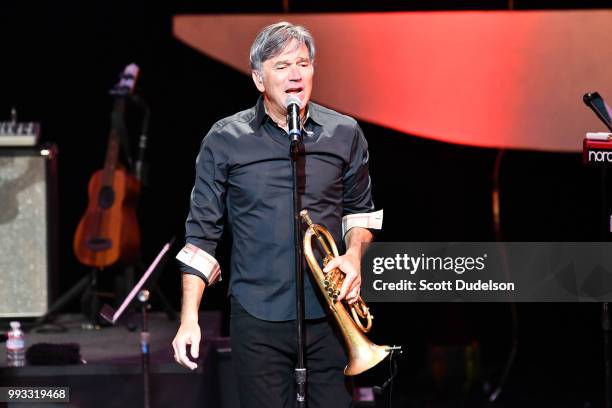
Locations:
(244, 169)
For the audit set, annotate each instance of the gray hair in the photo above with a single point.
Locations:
(273, 39)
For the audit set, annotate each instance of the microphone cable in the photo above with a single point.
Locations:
(502, 250)
(396, 352)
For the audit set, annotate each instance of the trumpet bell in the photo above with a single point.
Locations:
(362, 353)
(366, 359)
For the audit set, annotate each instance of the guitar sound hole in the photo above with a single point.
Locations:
(106, 197)
(99, 244)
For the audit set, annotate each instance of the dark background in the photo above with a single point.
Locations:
(59, 59)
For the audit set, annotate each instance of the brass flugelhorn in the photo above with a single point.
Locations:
(362, 353)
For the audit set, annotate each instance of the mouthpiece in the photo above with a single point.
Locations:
(306, 217)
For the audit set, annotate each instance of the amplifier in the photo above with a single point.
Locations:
(28, 233)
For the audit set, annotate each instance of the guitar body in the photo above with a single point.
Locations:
(108, 231)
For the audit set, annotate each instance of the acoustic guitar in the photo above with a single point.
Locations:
(108, 231)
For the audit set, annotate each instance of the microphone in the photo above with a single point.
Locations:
(293, 105)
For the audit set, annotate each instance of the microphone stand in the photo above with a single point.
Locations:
(297, 154)
(143, 298)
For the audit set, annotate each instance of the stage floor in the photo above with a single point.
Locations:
(112, 375)
(117, 345)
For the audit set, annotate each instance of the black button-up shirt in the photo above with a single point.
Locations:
(244, 167)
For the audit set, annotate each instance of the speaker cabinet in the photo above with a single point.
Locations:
(28, 234)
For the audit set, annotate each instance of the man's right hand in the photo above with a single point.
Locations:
(188, 333)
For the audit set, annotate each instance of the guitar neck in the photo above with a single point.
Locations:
(112, 149)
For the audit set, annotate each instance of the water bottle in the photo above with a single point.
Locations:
(15, 346)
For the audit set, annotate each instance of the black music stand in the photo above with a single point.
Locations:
(140, 292)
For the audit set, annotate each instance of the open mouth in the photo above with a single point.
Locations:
(291, 91)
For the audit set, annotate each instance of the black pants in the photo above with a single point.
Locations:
(264, 355)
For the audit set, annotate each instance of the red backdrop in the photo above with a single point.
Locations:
(493, 79)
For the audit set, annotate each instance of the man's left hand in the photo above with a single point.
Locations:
(351, 266)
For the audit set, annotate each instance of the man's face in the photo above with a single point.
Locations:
(289, 73)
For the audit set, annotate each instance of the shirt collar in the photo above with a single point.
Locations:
(261, 116)
(260, 112)
(313, 114)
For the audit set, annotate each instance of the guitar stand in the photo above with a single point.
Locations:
(87, 287)
(88, 283)
(90, 303)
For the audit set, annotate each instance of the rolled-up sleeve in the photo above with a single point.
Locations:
(204, 224)
(357, 198)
